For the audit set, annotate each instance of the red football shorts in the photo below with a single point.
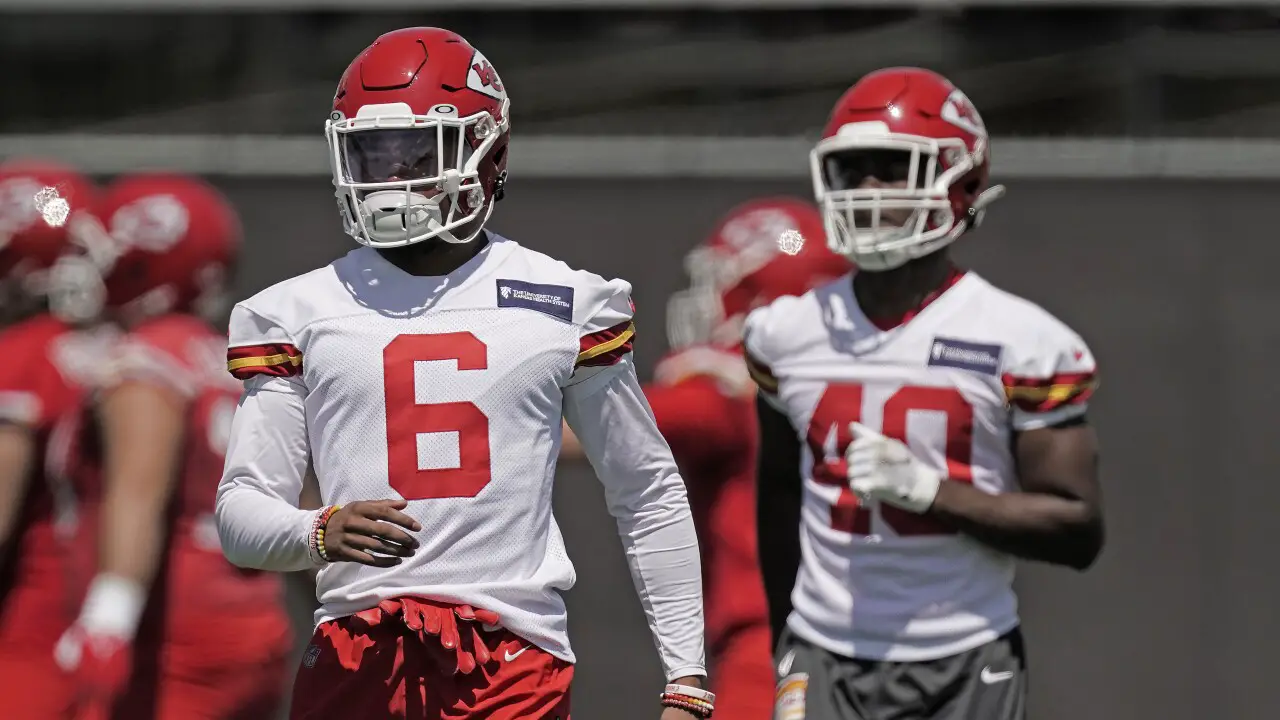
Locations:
(381, 664)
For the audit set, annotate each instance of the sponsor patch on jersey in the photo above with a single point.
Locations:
(975, 357)
(788, 702)
(553, 300)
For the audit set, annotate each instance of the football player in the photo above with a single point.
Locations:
(43, 377)
(703, 398)
(424, 377)
(922, 427)
(168, 629)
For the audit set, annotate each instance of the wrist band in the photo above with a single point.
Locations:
(692, 692)
(695, 701)
(317, 531)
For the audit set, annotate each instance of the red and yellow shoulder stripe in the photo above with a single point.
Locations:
(277, 360)
(1045, 394)
(762, 375)
(607, 346)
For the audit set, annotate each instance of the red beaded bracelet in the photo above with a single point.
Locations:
(318, 528)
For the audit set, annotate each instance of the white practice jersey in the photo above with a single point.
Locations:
(954, 382)
(449, 392)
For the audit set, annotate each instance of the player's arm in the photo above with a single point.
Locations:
(17, 453)
(1057, 518)
(20, 412)
(260, 523)
(779, 487)
(142, 424)
(606, 407)
(778, 500)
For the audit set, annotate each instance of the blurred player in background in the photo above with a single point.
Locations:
(169, 629)
(922, 428)
(47, 366)
(703, 398)
(424, 377)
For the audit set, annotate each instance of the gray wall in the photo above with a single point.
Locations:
(1171, 283)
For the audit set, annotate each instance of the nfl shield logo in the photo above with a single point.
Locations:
(312, 654)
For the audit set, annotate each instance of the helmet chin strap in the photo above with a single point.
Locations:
(985, 198)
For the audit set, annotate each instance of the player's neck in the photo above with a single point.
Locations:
(434, 257)
(892, 295)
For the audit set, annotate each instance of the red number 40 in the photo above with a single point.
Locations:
(841, 404)
(406, 418)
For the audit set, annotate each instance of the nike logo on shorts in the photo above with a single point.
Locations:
(990, 677)
(509, 656)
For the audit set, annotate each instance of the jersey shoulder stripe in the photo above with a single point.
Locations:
(276, 360)
(762, 375)
(1046, 394)
(607, 346)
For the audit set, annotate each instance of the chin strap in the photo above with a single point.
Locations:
(979, 207)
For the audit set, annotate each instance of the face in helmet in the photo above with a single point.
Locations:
(758, 252)
(902, 169)
(153, 244)
(418, 140)
(37, 199)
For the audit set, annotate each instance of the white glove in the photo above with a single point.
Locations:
(885, 469)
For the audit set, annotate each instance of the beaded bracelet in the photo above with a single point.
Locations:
(318, 528)
(693, 700)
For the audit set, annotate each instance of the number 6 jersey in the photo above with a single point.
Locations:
(449, 392)
(953, 382)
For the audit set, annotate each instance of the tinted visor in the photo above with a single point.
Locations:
(850, 169)
(403, 155)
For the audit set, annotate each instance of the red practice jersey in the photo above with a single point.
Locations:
(203, 611)
(47, 369)
(47, 366)
(703, 400)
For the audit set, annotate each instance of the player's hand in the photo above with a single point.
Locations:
(882, 468)
(99, 665)
(371, 532)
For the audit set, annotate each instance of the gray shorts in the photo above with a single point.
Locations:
(986, 683)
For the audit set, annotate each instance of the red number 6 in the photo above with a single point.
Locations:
(406, 419)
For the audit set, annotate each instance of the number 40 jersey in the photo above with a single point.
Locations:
(953, 382)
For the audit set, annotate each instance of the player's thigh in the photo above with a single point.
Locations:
(522, 682)
(240, 691)
(810, 683)
(992, 685)
(353, 673)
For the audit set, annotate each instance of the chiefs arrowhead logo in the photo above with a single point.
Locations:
(958, 111)
(482, 78)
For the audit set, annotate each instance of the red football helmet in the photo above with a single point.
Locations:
(902, 169)
(36, 200)
(418, 139)
(760, 251)
(154, 243)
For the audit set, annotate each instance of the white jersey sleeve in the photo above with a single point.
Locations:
(606, 322)
(760, 340)
(1050, 376)
(259, 523)
(606, 408)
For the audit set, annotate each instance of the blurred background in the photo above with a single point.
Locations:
(1140, 142)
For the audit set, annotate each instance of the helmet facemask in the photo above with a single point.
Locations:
(402, 178)
(886, 198)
